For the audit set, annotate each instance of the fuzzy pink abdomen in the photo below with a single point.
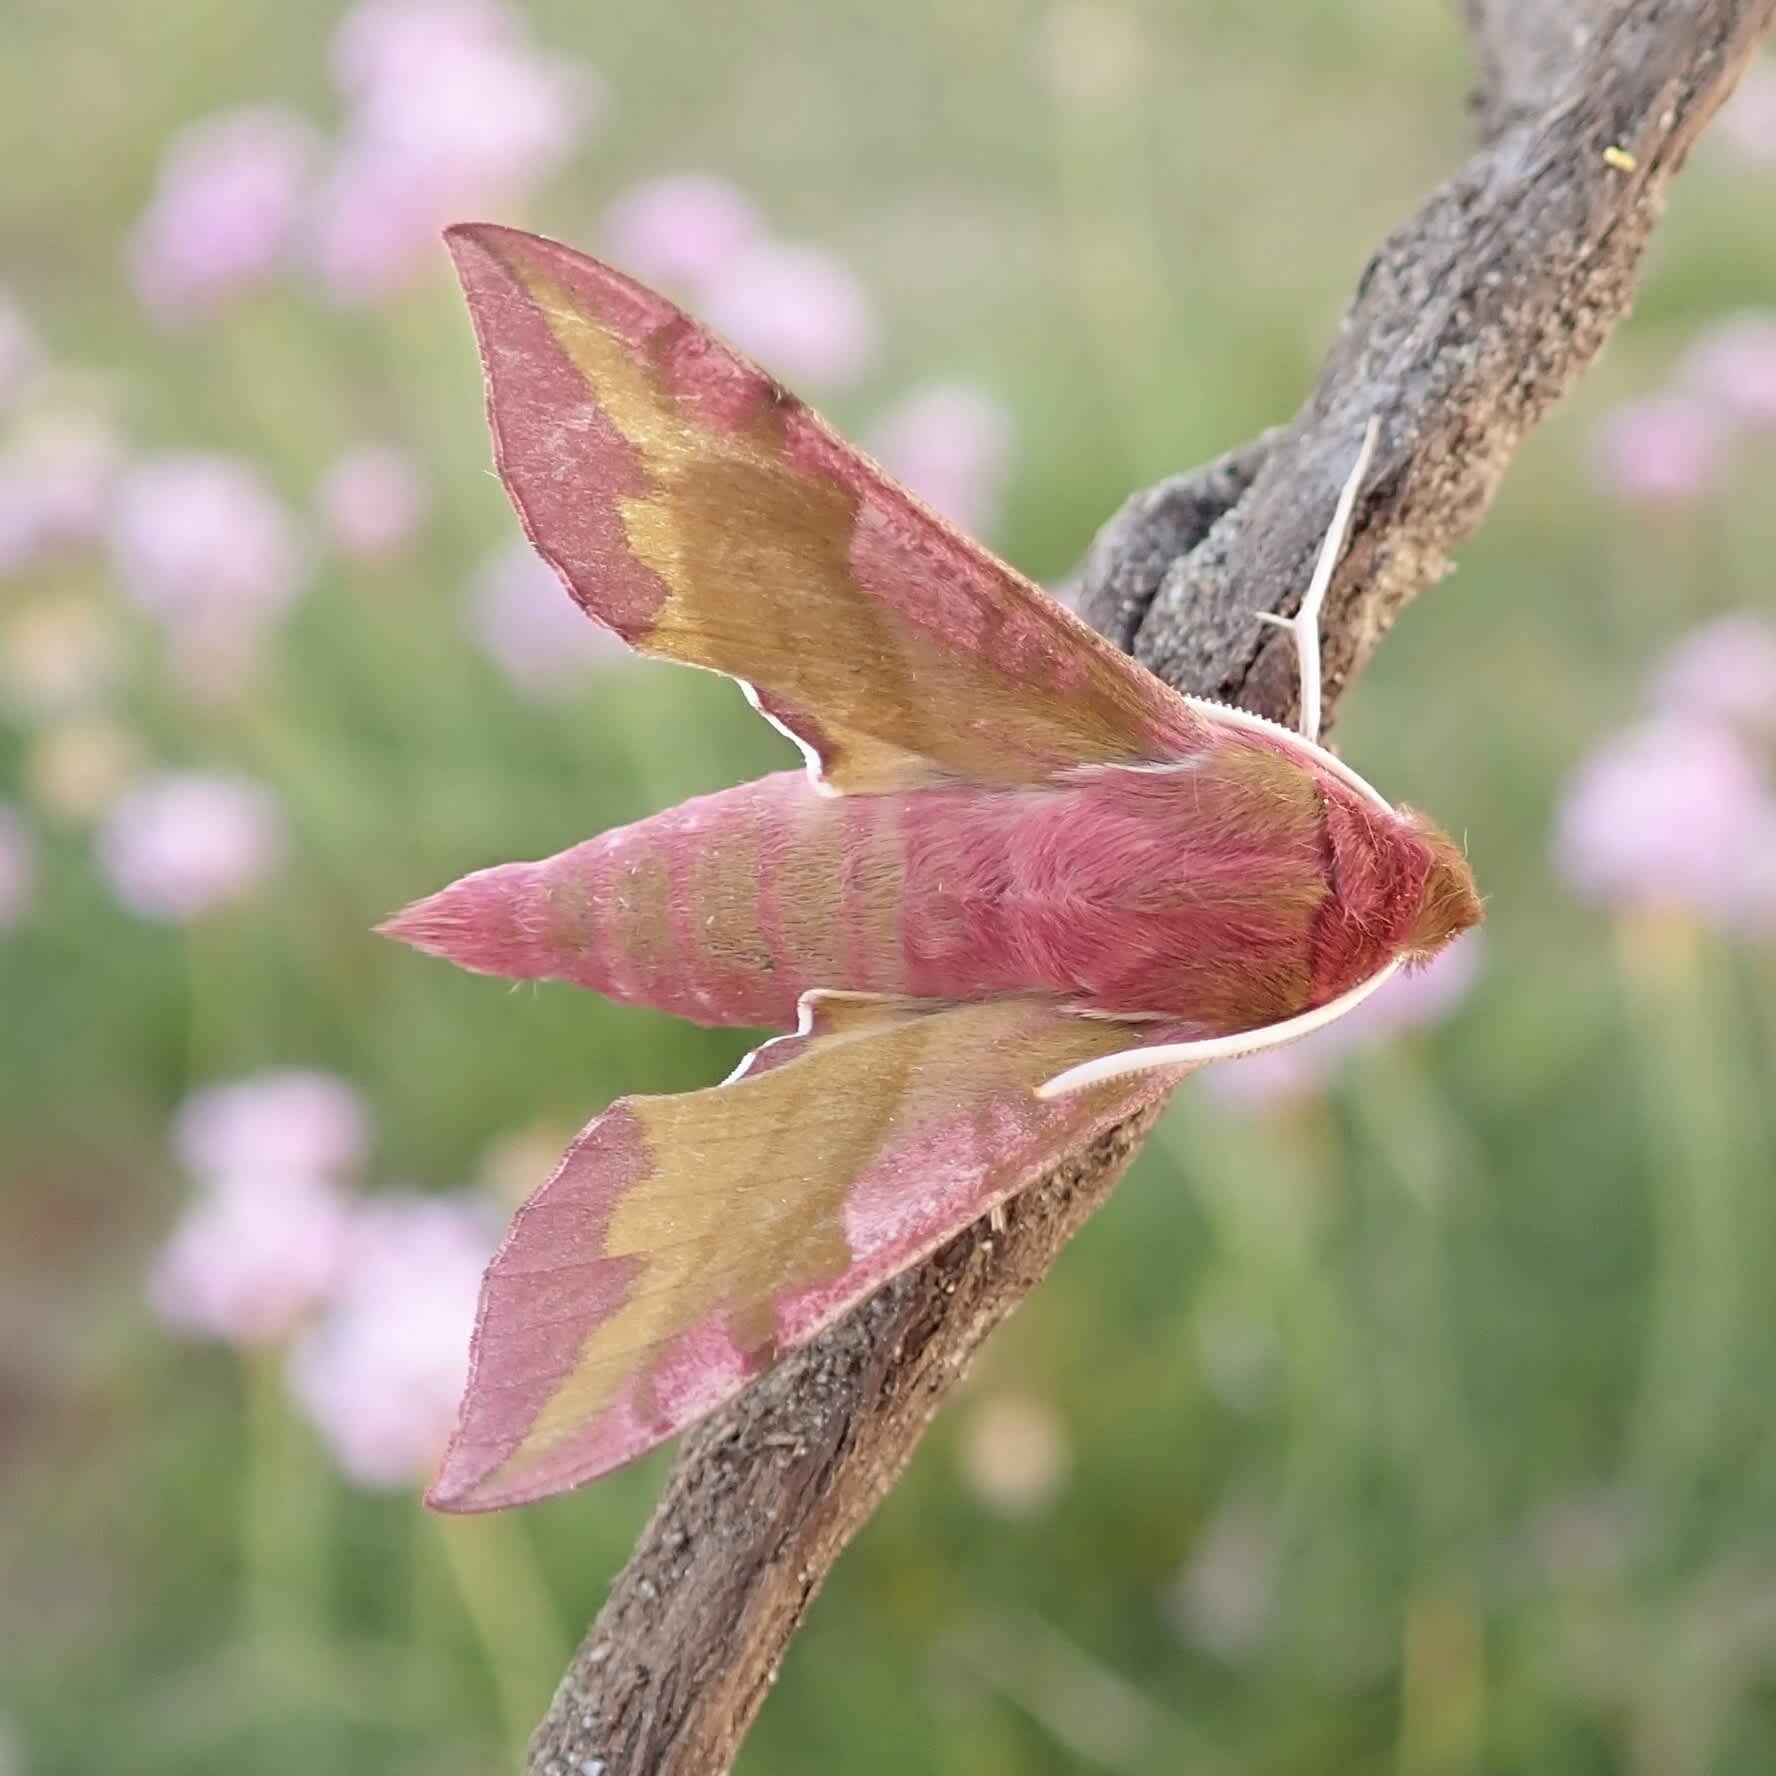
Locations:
(1205, 892)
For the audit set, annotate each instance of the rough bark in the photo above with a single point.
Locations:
(1468, 323)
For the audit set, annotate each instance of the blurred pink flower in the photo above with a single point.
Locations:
(253, 1256)
(452, 112)
(372, 501)
(380, 41)
(21, 532)
(1272, 1076)
(21, 351)
(56, 479)
(380, 1376)
(1725, 671)
(1674, 811)
(312, 1124)
(524, 621)
(1664, 451)
(192, 529)
(227, 201)
(1415, 999)
(799, 310)
(18, 867)
(378, 218)
(950, 442)
(679, 231)
(202, 543)
(183, 843)
(1732, 367)
(1747, 121)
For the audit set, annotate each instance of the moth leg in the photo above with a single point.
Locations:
(1306, 621)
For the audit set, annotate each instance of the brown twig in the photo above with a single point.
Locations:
(1467, 325)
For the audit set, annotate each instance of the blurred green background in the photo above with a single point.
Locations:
(1411, 1415)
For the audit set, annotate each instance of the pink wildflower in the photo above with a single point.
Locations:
(1662, 452)
(1724, 671)
(679, 231)
(18, 867)
(379, 42)
(1275, 1075)
(949, 442)
(19, 529)
(56, 479)
(1732, 366)
(254, 1255)
(1414, 999)
(380, 1376)
(452, 112)
(799, 310)
(1675, 811)
(523, 619)
(184, 843)
(228, 198)
(203, 544)
(372, 501)
(312, 1124)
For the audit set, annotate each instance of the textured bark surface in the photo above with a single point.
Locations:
(1469, 323)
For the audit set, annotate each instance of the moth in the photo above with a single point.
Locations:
(1018, 890)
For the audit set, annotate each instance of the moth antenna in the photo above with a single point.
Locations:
(1216, 1048)
(1306, 621)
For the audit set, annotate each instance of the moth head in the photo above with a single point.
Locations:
(1449, 903)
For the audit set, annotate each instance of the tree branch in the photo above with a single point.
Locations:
(1524, 50)
(1466, 326)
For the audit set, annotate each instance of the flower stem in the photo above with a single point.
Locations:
(1697, 1155)
(494, 1567)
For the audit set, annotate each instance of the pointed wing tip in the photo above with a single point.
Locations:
(449, 1501)
(468, 239)
(457, 1495)
(470, 245)
(494, 249)
(490, 255)
(472, 1476)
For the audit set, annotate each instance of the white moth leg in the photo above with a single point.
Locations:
(1215, 1048)
(1306, 622)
